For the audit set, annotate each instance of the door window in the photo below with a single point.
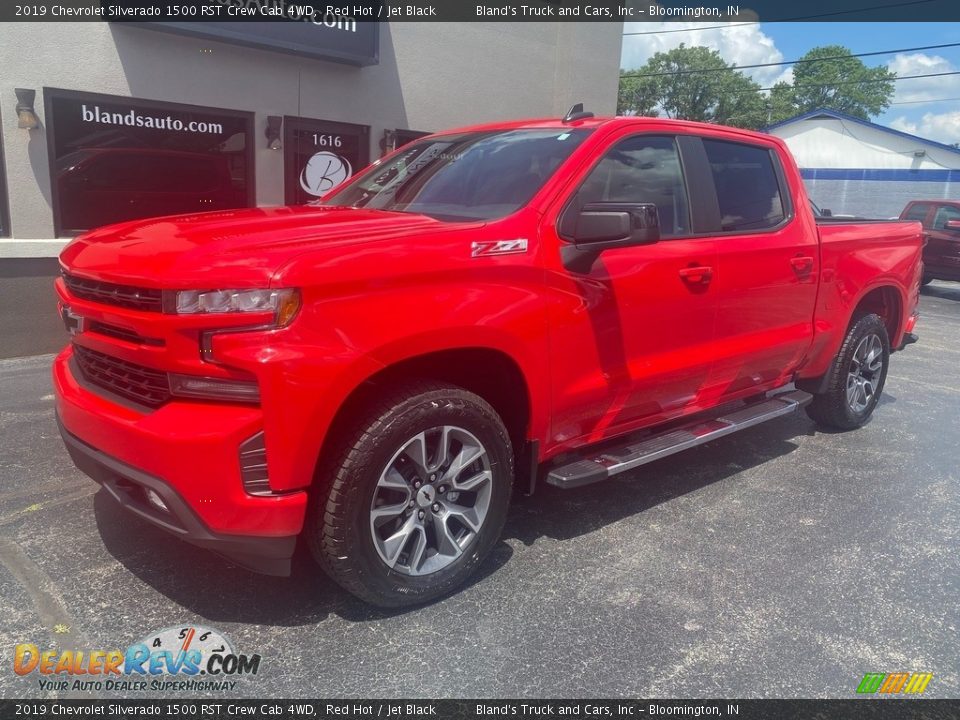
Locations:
(640, 169)
(748, 190)
(944, 214)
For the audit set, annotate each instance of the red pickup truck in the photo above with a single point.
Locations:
(555, 300)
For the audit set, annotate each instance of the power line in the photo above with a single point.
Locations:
(792, 62)
(793, 19)
(870, 82)
(696, 29)
(921, 102)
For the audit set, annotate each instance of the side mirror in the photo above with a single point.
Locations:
(826, 212)
(603, 226)
(952, 225)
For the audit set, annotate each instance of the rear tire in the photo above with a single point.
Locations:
(857, 377)
(416, 496)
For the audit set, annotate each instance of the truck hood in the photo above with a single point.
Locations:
(241, 248)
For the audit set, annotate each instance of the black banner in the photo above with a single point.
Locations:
(345, 15)
(347, 709)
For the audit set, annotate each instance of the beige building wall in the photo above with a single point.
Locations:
(430, 76)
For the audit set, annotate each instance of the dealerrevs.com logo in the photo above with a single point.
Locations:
(185, 652)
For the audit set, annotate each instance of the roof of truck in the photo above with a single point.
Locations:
(597, 122)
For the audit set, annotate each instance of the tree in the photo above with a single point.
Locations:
(781, 103)
(665, 83)
(842, 83)
(637, 96)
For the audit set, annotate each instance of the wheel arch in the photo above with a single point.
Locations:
(487, 372)
(886, 301)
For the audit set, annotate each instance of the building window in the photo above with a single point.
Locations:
(747, 187)
(319, 155)
(4, 201)
(114, 159)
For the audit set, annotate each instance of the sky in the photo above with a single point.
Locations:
(927, 107)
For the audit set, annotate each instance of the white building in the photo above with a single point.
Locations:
(856, 167)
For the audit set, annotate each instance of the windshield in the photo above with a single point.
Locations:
(469, 176)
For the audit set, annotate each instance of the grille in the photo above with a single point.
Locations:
(127, 296)
(129, 380)
(124, 334)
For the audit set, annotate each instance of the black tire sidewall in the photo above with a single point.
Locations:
(866, 325)
(374, 450)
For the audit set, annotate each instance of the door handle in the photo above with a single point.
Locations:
(802, 264)
(701, 274)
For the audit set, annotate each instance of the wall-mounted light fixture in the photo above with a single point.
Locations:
(26, 115)
(273, 130)
(388, 143)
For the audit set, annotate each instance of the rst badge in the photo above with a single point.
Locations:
(73, 322)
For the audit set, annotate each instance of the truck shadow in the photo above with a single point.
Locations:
(214, 589)
(567, 514)
(942, 291)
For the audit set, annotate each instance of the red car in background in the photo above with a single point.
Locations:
(941, 230)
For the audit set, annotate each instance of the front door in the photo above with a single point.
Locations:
(318, 155)
(631, 336)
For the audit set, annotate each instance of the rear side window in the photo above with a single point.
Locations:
(640, 169)
(917, 212)
(747, 187)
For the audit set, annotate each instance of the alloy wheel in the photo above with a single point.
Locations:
(431, 500)
(864, 374)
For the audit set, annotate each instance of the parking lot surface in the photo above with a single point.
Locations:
(779, 562)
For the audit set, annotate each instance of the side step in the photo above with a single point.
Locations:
(601, 465)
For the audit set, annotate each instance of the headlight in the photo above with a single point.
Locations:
(282, 303)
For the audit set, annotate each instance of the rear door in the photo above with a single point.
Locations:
(631, 335)
(768, 269)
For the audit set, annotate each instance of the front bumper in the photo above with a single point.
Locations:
(128, 485)
(187, 453)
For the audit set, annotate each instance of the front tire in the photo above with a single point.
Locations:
(416, 497)
(857, 377)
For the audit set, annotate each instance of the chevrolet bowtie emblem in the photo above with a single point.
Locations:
(73, 322)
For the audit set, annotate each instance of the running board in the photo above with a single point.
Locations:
(612, 461)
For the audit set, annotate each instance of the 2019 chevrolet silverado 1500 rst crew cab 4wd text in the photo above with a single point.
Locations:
(562, 299)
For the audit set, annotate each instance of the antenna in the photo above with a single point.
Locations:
(576, 113)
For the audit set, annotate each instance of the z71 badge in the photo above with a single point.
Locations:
(498, 247)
